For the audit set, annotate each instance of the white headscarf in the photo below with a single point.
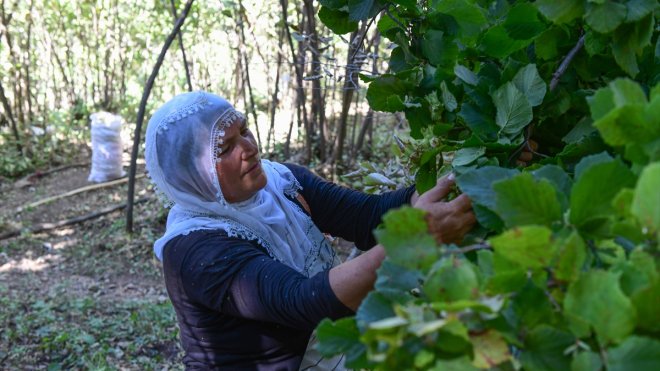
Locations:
(181, 151)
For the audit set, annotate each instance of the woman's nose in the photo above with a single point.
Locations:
(249, 148)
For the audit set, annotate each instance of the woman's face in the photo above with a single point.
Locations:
(239, 170)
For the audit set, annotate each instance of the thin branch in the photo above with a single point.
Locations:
(77, 191)
(366, 31)
(43, 227)
(183, 50)
(565, 63)
(140, 115)
(470, 248)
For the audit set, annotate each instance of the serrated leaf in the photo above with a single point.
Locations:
(646, 203)
(513, 110)
(406, 239)
(341, 336)
(378, 179)
(528, 247)
(587, 361)
(635, 353)
(597, 300)
(337, 20)
(466, 156)
(469, 17)
(571, 255)
(508, 276)
(605, 17)
(383, 88)
(558, 177)
(544, 349)
(448, 99)
(454, 279)
(546, 44)
(478, 183)
(490, 350)
(466, 75)
(395, 282)
(647, 302)
(529, 82)
(560, 11)
(481, 123)
(522, 22)
(497, 43)
(439, 48)
(522, 200)
(374, 307)
(530, 307)
(359, 9)
(594, 189)
(638, 9)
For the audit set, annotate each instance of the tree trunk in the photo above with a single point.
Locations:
(141, 111)
(7, 107)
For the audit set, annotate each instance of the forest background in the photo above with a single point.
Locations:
(89, 295)
(562, 271)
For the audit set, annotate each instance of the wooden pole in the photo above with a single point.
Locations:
(140, 115)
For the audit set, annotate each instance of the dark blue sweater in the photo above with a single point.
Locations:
(238, 309)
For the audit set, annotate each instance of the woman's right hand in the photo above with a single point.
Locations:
(448, 221)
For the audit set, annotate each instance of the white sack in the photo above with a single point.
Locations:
(106, 147)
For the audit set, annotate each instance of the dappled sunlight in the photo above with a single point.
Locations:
(30, 264)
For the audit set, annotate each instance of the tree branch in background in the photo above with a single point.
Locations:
(183, 50)
(140, 115)
(565, 63)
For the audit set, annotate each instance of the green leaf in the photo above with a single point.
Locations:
(337, 20)
(490, 349)
(522, 200)
(439, 48)
(469, 17)
(560, 11)
(647, 302)
(594, 189)
(497, 43)
(478, 183)
(359, 9)
(529, 246)
(406, 239)
(646, 203)
(626, 91)
(456, 364)
(448, 99)
(597, 300)
(638, 9)
(571, 255)
(466, 156)
(629, 41)
(587, 361)
(635, 353)
(481, 123)
(513, 109)
(546, 44)
(544, 349)
(561, 181)
(374, 307)
(530, 307)
(605, 17)
(383, 88)
(508, 276)
(395, 282)
(454, 279)
(522, 22)
(529, 82)
(341, 336)
(466, 75)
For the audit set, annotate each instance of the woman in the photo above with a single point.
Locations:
(247, 268)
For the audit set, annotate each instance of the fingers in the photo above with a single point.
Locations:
(440, 190)
(462, 203)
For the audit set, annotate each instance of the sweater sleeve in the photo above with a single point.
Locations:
(344, 212)
(237, 278)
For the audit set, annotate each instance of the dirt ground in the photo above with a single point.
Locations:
(88, 295)
(56, 286)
